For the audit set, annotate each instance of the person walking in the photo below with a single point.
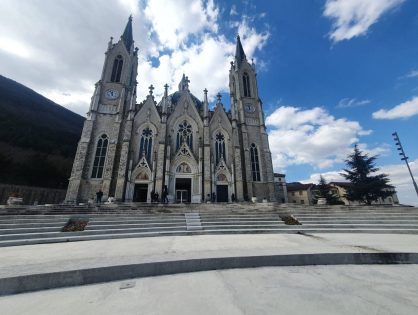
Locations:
(164, 195)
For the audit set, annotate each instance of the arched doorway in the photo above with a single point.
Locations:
(222, 188)
(183, 183)
(141, 187)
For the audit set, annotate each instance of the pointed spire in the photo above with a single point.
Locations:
(205, 104)
(165, 99)
(239, 52)
(127, 35)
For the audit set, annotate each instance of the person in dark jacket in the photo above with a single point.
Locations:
(99, 196)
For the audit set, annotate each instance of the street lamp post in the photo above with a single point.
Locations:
(404, 157)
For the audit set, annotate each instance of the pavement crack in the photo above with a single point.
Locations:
(368, 248)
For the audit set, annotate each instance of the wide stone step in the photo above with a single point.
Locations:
(31, 225)
(239, 225)
(243, 222)
(22, 218)
(68, 238)
(370, 217)
(94, 226)
(354, 213)
(36, 230)
(240, 218)
(380, 217)
(361, 225)
(360, 222)
(133, 220)
(31, 222)
(90, 232)
(72, 238)
(144, 217)
(92, 216)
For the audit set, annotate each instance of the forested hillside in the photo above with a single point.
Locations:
(38, 138)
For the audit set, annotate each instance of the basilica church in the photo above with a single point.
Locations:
(174, 146)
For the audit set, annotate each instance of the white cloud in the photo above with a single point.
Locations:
(175, 21)
(332, 176)
(352, 102)
(400, 178)
(312, 136)
(216, 51)
(352, 18)
(412, 74)
(403, 110)
(58, 48)
(251, 39)
(13, 47)
(233, 10)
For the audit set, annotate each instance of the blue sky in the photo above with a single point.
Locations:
(331, 73)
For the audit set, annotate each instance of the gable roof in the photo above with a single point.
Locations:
(298, 186)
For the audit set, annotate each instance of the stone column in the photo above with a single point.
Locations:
(123, 162)
(77, 171)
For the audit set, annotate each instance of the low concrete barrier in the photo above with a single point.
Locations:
(55, 280)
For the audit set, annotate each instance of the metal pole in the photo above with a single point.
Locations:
(410, 173)
(404, 158)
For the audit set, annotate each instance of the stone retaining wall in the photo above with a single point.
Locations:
(31, 195)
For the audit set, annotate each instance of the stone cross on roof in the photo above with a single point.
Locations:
(219, 96)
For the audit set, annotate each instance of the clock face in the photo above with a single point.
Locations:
(111, 94)
(249, 108)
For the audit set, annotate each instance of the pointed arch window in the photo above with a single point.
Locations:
(246, 83)
(219, 147)
(255, 164)
(145, 147)
(184, 134)
(100, 157)
(117, 69)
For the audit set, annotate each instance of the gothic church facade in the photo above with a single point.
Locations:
(176, 146)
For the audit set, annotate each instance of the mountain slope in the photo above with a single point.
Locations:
(38, 137)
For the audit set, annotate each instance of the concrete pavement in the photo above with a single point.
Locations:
(56, 265)
(348, 289)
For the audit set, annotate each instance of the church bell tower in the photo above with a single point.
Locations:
(100, 161)
(251, 135)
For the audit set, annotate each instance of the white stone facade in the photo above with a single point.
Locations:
(178, 145)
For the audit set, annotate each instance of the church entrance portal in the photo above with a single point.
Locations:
(222, 193)
(183, 189)
(140, 193)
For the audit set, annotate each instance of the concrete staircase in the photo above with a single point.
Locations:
(22, 225)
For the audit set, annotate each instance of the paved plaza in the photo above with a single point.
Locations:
(331, 287)
(58, 257)
(348, 289)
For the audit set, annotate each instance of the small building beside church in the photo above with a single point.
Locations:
(299, 193)
(280, 187)
(340, 189)
(174, 146)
